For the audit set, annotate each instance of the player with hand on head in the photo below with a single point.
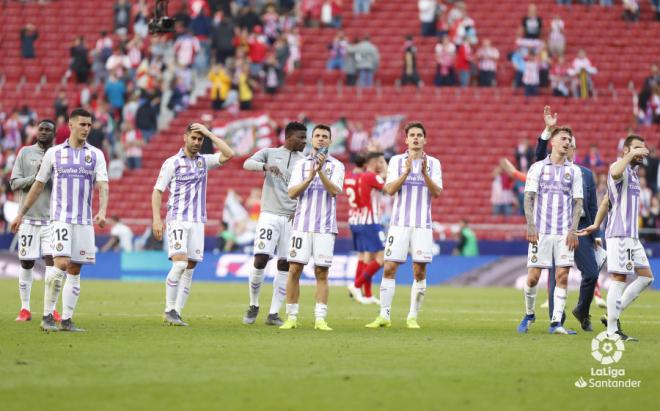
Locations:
(414, 179)
(73, 167)
(274, 225)
(185, 176)
(553, 207)
(34, 240)
(625, 253)
(315, 182)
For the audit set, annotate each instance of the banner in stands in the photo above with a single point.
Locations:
(386, 130)
(247, 134)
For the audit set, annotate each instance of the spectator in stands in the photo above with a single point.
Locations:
(62, 130)
(467, 241)
(29, 35)
(226, 238)
(201, 26)
(79, 59)
(118, 64)
(532, 23)
(463, 64)
(367, 61)
(222, 35)
(655, 4)
(487, 55)
(445, 58)
(331, 13)
(121, 237)
(61, 104)
(245, 94)
(427, 17)
(531, 78)
(410, 74)
(645, 196)
(115, 93)
(501, 192)
(564, 2)
(116, 168)
(122, 16)
(132, 142)
(524, 155)
(457, 12)
(337, 51)
(630, 10)
(248, 19)
(560, 78)
(272, 74)
(361, 7)
(140, 19)
(12, 138)
(606, 3)
(220, 85)
(186, 47)
(349, 65)
(652, 221)
(146, 117)
(652, 166)
(581, 72)
(556, 38)
(593, 159)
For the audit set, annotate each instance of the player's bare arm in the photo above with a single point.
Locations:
(332, 189)
(619, 167)
(295, 191)
(104, 195)
(571, 237)
(226, 153)
(393, 187)
(600, 216)
(434, 189)
(157, 222)
(32, 196)
(549, 118)
(532, 232)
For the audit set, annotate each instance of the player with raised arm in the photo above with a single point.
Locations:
(34, 234)
(274, 226)
(73, 167)
(315, 182)
(185, 176)
(352, 195)
(625, 253)
(553, 206)
(413, 178)
(370, 186)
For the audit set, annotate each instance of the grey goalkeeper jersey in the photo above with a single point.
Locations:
(275, 193)
(22, 177)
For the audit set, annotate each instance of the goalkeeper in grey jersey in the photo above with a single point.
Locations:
(34, 233)
(274, 226)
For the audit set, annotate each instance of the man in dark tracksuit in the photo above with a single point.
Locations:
(585, 257)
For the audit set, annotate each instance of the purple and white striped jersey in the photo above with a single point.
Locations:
(412, 203)
(556, 186)
(624, 202)
(316, 211)
(73, 172)
(186, 180)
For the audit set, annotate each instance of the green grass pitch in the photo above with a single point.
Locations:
(466, 356)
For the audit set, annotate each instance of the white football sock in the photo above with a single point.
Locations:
(614, 305)
(530, 299)
(185, 284)
(256, 279)
(52, 287)
(633, 291)
(70, 295)
(24, 287)
(417, 293)
(279, 291)
(292, 311)
(172, 284)
(387, 288)
(320, 311)
(559, 300)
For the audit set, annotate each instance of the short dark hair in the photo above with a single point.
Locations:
(415, 124)
(79, 112)
(565, 129)
(292, 127)
(632, 137)
(49, 121)
(372, 155)
(359, 159)
(322, 127)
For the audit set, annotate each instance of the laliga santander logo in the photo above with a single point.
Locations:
(607, 350)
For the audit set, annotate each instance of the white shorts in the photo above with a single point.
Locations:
(273, 232)
(34, 242)
(403, 240)
(549, 246)
(625, 254)
(185, 238)
(75, 241)
(304, 245)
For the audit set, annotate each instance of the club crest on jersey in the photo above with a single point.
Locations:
(261, 245)
(199, 163)
(88, 158)
(629, 266)
(567, 176)
(23, 252)
(293, 253)
(534, 259)
(177, 246)
(197, 252)
(59, 247)
(328, 171)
